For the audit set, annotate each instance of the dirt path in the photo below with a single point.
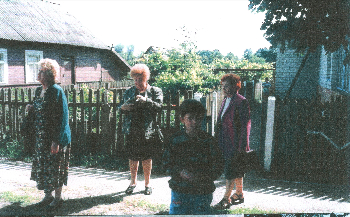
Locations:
(99, 192)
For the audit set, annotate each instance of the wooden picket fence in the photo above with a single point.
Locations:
(94, 119)
(310, 139)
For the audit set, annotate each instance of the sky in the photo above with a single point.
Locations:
(224, 25)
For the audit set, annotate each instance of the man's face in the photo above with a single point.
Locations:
(192, 122)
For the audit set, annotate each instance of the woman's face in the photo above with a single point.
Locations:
(41, 77)
(140, 83)
(228, 88)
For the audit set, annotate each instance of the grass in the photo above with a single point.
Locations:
(254, 210)
(149, 207)
(127, 205)
(11, 197)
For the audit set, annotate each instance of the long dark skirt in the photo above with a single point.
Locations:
(50, 171)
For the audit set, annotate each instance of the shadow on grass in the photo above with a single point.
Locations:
(68, 206)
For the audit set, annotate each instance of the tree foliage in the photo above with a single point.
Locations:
(270, 55)
(305, 24)
(184, 67)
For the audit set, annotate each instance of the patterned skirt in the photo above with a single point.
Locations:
(50, 171)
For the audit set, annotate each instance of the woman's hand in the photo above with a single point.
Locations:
(140, 98)
(54, 148)
(127, 106)
(185, 174)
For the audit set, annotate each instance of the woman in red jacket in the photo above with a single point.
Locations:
(233, 129)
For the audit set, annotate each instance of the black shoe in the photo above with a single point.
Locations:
(223, 204)
(130, 189)
(148, 190)
(237, 200)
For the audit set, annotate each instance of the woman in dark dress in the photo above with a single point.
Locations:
(233, 129)
(53, 136)
(140, 104)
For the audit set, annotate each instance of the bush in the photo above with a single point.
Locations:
(13, 149)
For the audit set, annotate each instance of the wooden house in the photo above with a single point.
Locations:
(31, 30)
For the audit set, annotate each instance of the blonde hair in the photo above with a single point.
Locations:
(50, 68)
(140, 70)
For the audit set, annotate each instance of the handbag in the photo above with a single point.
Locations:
(27, 130)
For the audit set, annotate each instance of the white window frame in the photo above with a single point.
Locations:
(30, 78)
(343, 80)
(3, 51)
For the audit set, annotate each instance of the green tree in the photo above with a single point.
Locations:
(248, 54)
(270, 55)
(119, 48)
(231, 56)
(128, 56)
(305, 25)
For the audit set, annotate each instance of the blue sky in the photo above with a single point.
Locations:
(224, 25)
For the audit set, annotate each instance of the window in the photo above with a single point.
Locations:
(343, 72)
(3, 66)
(32, 68)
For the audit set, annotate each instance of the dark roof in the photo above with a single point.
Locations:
(42, 21)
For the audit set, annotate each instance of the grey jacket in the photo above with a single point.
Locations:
(150, 109)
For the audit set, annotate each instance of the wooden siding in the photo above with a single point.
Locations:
(89, 62)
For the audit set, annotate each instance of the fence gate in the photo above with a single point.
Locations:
(308, 140)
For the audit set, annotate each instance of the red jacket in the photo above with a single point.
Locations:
(233, 128)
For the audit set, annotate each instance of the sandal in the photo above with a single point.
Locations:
(130, 189)
(237, 199)
(148, 190)
(223, 204)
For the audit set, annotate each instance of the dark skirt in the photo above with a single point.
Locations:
(138, 148)
(233, 169)
(50, 171)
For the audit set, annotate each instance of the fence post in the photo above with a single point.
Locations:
(9, 100)
(105, 126)
(177, 111)
(269, 132)
(214, 113)
(82, 130)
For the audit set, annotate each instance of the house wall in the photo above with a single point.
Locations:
(287, 65)
(90, 63)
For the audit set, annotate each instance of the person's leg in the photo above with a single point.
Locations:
(147, 168)
(238, 197)
(48, 194)
(58, 193)
(230, 184)
(134, 165)
(47, 199)
(201, 204)
(239, 186)
(178, 204)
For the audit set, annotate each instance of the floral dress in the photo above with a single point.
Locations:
(50, 171)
